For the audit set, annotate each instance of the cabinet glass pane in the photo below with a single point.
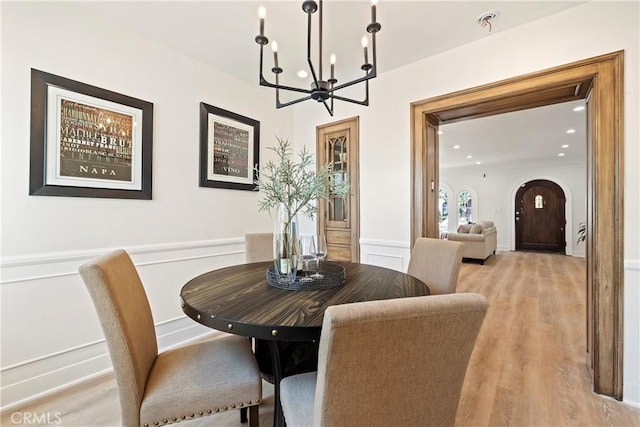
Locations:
(338, 156)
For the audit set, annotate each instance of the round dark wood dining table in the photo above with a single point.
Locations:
(238, 300)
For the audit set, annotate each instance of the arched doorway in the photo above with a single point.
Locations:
(540, 217)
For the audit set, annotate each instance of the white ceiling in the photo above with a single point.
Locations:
(523, 138)
(221, 34)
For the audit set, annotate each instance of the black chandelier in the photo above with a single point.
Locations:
(321, 90)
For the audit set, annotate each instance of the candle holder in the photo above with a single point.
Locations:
(333, 276)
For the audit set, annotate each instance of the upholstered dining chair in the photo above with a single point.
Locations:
(437, 263)
(204, 378)
(398, 362)
(258, 247)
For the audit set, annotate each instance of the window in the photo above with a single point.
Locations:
(465, 207)
(443, 210)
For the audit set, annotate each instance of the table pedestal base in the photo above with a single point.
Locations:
(279, 359)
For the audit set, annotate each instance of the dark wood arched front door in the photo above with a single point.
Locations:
(540, 217)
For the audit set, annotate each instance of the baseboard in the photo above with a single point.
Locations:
(631, 367)
(631, 394)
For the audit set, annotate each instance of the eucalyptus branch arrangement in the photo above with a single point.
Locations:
(296, 184)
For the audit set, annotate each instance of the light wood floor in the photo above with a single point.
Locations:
(528, 367)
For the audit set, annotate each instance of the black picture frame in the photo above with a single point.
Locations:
(229, 149)
(87, 141)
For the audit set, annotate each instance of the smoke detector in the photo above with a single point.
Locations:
(486, 19)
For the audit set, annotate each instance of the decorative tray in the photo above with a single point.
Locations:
(333, 276)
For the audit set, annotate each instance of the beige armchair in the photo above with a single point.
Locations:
(437, 263)
(398, 362)
(184, 383)
(258, 247)
(480, 240)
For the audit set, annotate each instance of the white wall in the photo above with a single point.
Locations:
(496, 191)
(50, 332)
(584, 31)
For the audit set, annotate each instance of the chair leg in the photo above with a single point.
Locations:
(254, 416)
(243, 415)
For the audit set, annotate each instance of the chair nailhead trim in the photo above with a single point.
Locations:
(208, 412)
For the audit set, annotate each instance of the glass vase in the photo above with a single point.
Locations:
(285, 244)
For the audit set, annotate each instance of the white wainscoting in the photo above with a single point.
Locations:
(51, 337)
(385, 253)
(631, 366)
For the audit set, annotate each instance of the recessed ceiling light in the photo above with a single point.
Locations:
(579, 108)
(560, 154)
(469, 157)
(303, 74)
(455, 147)
(478, 163)
(571, 131)
(565, 145)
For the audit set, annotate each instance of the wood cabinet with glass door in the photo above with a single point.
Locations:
(338, 219)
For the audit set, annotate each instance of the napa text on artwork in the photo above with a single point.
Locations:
(95, 142)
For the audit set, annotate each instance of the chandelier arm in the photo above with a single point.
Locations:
(364, 102)
(371, 74)
(295, 101)
(373, 48)
(264, 82)
(329, 110)
(260, 76)
(353, 101)
(286, 104)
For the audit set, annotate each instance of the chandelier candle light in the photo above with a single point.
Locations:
(321, 90)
